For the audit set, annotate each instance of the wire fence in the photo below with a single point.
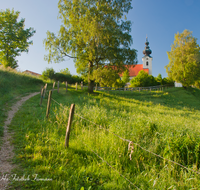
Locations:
(130, 146)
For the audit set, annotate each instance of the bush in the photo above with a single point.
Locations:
(48, 74)
(143, 79)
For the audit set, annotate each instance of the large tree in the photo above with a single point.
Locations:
(184, 59)
(94, 34)
(13, 37)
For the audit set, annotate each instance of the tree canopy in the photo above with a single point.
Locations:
(94, 33)
(106, 77)
(48, 73)
(143, 79)
(65, 71)
(126, 76)
(13, 37)
(184, 59)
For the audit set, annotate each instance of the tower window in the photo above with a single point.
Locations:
(146, 58)
(147, 63)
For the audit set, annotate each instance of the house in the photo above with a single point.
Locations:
(31, 73)
(177, 84)
(145, 66)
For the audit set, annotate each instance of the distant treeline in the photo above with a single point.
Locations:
(62, 76)
(144, 79)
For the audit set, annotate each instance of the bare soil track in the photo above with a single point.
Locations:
(6, 152)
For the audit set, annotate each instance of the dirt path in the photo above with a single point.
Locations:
(6, 152)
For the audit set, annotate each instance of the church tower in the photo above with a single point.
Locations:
(147, 59)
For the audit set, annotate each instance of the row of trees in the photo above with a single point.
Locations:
(145, 80)
(97, 36)
(63, 75)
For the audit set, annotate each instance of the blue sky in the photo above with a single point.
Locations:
(160, 20)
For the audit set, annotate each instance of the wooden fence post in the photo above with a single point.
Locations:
(58, 86)
(76, 85)
(96, 87)
(66, 85)
(81, 85)
(48, 104)
(42, 92)
(53, 86)
(45, 89)
(71, 114)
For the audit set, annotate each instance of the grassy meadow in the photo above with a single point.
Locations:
(166, 123)
(14, 84)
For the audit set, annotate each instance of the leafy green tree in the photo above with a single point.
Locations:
(65, 71)
(125, 76)
(159, 79)
(184, 59)
(119, 83)
(13, 37)
(106, 77)
(94, 34)
(48, 73)
(143, 79)
(167, 81)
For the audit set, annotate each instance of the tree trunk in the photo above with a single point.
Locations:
(90, 86)
(90, 81)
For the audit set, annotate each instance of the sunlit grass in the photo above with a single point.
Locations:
(166, 123)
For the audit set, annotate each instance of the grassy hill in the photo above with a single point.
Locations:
(12, 85)
(164, 123)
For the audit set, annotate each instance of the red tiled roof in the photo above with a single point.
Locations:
(32, 73)
(135, 69)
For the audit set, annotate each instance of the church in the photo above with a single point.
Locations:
(147, 63)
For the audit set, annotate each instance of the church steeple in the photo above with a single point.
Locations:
(147, 51)
(147, 59)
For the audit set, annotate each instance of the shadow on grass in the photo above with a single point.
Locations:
(178, 98)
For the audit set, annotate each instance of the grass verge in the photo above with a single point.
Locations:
(13, 85)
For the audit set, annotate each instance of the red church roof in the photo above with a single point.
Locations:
(135, 69)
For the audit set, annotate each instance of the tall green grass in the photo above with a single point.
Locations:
(166, 123)
(12, 85)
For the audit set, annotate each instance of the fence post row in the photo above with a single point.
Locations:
(71, 114)
(48, 104)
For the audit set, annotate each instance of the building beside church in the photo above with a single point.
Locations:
(32, 73)
(145, 66)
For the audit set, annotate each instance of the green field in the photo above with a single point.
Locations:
(166, 123)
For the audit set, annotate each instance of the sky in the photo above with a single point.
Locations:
(159, 20)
